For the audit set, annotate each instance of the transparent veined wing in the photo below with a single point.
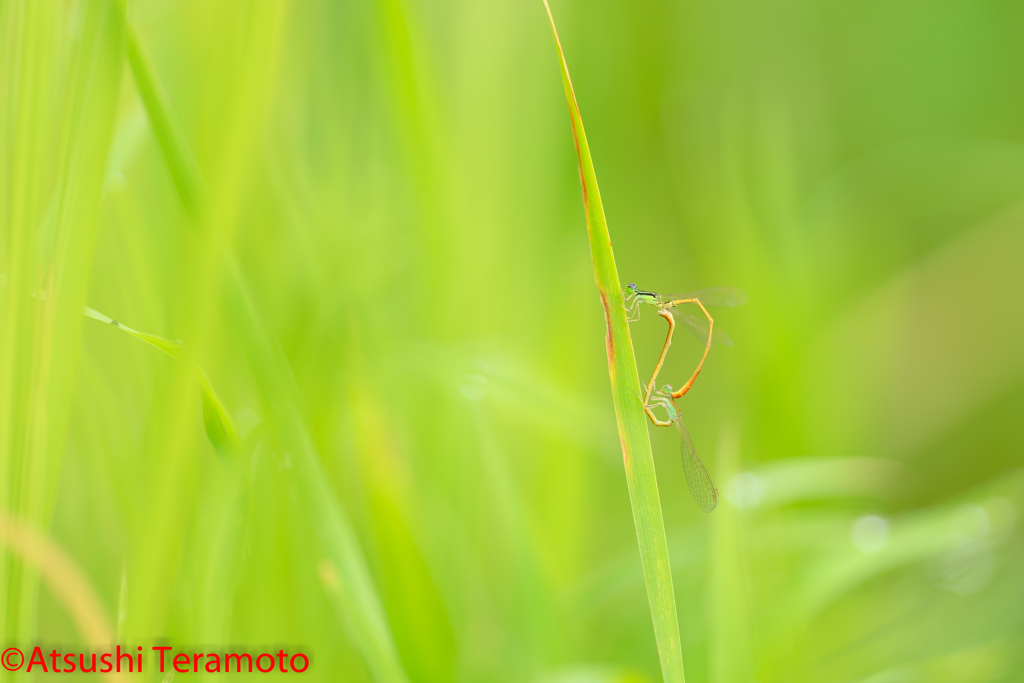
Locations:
(699, 327)
(717, 297)
(697, 478)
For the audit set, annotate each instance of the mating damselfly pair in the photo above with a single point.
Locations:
(702, 488)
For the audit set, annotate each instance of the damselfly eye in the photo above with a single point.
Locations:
(632, 286)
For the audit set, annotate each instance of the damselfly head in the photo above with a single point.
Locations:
(631, 287)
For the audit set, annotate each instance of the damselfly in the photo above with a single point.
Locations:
(717, 296)
(697, 478)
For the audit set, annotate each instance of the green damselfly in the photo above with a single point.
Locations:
(715, 297)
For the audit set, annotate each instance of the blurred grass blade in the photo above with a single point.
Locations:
(167, 346)
(188, 176)
(355, 598)
(632, 423)
(59, 90)
(67, 582)
(220, 428)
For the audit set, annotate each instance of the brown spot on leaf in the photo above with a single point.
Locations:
(583, 184)
(609, 345)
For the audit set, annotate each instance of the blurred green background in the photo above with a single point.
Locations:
(388, 283)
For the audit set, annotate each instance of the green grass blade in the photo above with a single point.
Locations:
(354, 594)
(220, 428)
(58, 95)
(629, 414)
(184, 167)
(166, 345)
